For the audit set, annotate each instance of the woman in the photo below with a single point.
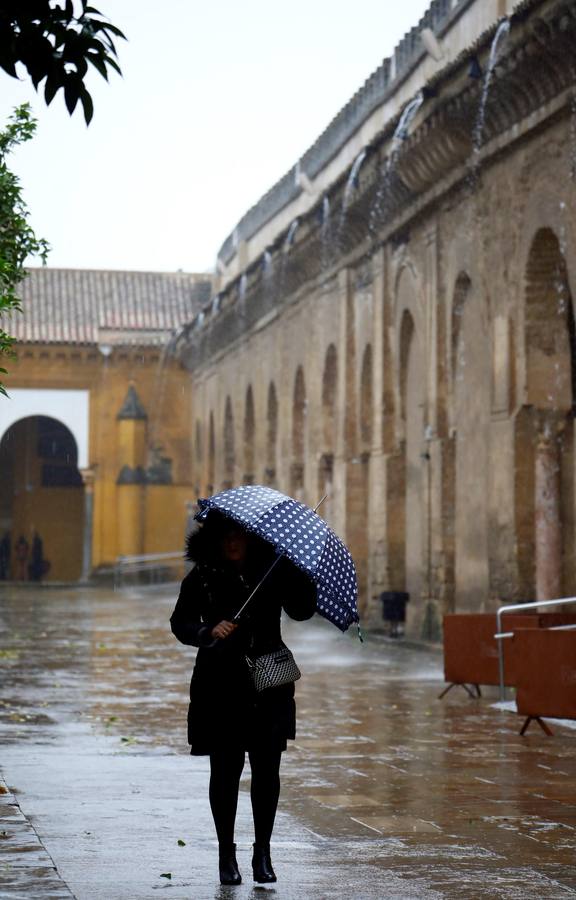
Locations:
(227, 716)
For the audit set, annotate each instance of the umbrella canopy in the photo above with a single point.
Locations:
(298, 533)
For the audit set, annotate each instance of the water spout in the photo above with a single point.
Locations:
(325, 232)
(290, 236)
(352, 182)
(500, 35)
(402, 129)
(242, 286)
(267, 264)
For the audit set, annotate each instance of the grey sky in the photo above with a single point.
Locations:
(218, 100)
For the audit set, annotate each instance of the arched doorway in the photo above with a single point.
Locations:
(41, 502)
(211, 462)
(229, 451)
(297, 472)
(271, 435)
(544, 487)
(329, 426)
(249, 437)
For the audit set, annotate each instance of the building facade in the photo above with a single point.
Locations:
(95, 435)
(394, 323)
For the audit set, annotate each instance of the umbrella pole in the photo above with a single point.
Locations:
(263, 579)
(260, 583)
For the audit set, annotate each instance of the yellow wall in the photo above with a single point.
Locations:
(166, 517)
(164, 391)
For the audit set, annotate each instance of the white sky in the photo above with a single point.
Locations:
(218, 101)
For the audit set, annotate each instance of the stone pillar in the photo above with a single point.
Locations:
(88, 479)
(548, 524)
(131, 479)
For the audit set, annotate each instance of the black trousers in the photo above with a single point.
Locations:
(226, 767)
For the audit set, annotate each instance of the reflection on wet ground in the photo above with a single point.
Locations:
(387, 792)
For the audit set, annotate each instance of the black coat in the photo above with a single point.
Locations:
(225, 709)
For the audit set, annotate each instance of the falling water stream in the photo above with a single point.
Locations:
(401, 133)
(325, 233)
(350, 187)
(500, 35)
(403, 127)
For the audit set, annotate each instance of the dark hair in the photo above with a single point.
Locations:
(204, 543)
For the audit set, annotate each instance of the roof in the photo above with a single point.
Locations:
(93, 306)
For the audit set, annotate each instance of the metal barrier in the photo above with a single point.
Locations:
(500, 635)
(155, 565)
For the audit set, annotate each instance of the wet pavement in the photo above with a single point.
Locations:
(387, 791)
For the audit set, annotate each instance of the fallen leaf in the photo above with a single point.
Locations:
(166, 875)
(181, 843)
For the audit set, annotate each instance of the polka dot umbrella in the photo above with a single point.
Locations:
(299, 534)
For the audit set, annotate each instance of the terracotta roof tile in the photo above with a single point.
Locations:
(90, 306)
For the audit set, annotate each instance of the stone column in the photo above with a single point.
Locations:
(548, 524)
(88, 479)
(131, 480)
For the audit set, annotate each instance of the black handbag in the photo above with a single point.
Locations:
(273, 669)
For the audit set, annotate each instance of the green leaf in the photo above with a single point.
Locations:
(166, 875)
(181, 843)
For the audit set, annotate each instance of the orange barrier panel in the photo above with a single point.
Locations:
(471, 651)
(545, 671)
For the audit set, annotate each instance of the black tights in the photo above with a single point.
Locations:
(225, 770)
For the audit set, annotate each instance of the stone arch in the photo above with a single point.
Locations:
(271, 434)
(329, 424)
(299, 417)
(329, 391)
(229, 448)
(366, 400)
(249, 437)
(461, 290)
(40, 485)
(71, 407)
(211, 467)
(544, 433)
(406, 335)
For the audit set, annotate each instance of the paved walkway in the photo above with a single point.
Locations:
(387, 792)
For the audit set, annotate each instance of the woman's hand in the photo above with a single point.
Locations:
(223, 629)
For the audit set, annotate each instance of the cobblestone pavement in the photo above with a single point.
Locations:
(387, 792)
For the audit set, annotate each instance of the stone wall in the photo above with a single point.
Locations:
(413, 349)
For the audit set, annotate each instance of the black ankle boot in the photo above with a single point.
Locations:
(229, 872)
(262, 864)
